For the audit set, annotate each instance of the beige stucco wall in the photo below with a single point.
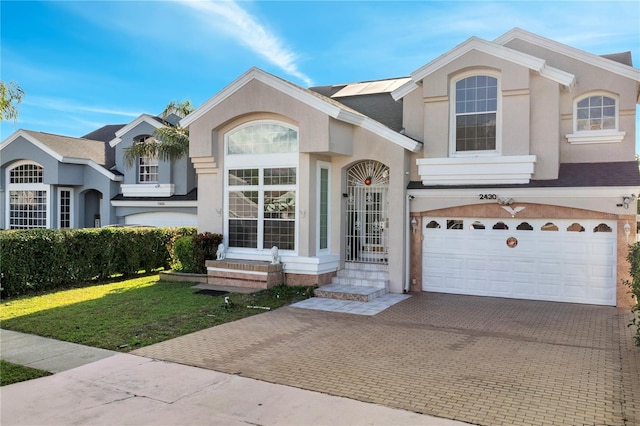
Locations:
(321, 139)
(590, 78)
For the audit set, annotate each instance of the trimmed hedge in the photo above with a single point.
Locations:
(634, 284)
(189, 252)
(43, 259)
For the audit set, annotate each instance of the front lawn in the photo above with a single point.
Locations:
(13, 373)
(133, 313)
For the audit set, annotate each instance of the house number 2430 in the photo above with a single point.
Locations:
(488, 196)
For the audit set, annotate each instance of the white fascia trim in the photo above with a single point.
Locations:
(395, 137)
(553, 192)
(58, 157)
(572, 52)
(474, 43)
(404, 90)
(280, 85)
(144, 118)
(34, 141)
(334, 111)
(166, 204)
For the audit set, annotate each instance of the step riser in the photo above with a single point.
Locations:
(360, 282)
(339, 295)
(363, 275)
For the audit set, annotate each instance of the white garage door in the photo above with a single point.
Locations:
(160, 219)
(555, 260)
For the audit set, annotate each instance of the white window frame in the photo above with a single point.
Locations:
(261, 162)
(579, 137)
(322, 165)
(26, 187)
(452, 114)
(151, 162)
(71, 205)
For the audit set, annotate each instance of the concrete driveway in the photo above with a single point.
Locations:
(480, 360)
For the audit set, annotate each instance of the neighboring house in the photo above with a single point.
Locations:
(153, 192)
(501, 168)
(54, 181)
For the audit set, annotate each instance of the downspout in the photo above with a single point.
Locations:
(407, 249)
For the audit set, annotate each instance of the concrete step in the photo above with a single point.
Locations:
(360, 282)
(349, 292)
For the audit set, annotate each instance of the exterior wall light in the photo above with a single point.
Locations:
(414, 224)
(627, 230)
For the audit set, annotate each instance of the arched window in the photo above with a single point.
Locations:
(28, 197)
(501, 225)
(549, 226)
(596, 112)
(261, 185)
(475, 114)
(595, 119)
(524, 226)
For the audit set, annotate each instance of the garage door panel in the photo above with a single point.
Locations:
(544, 265)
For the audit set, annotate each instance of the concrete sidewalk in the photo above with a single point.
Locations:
(110, 388)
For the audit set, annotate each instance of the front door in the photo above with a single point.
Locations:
(367, 213)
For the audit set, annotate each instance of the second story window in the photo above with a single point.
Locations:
(596, 113)
(475, 104)
(595, 119)
(147, 166)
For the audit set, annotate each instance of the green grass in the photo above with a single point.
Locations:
(13, 373)
(133, 313)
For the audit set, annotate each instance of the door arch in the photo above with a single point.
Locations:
(367, 213)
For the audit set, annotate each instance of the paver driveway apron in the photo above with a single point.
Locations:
(481, 360)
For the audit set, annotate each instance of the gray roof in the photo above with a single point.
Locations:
(378, 106)
(624, 173)
(622, 57)
(72, 147)
(106, 134)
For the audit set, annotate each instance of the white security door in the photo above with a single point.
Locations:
(536, 259)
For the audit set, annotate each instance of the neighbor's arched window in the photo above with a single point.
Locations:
(28, 197)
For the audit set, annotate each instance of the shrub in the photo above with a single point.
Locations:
(42, 259)
(634, 261)
(203, 247)
(185, 255)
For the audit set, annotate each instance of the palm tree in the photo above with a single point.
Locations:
(9, 93)
(168, 143)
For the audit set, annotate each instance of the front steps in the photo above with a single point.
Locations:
(362, 282)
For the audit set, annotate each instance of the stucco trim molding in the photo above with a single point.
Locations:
(144, 118)
(148, 190)
(204, 165)
(476, 170)
(603, 136)
(155, 203)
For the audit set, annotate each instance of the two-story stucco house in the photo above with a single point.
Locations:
(55, 181)
(501, 168)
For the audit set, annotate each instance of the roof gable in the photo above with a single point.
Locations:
(66, 149)
(144, 118)
(474, 43)
(313, 99)
(580, 55)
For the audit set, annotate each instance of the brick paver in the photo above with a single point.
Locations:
(480, 360)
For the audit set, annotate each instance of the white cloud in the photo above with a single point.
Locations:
(239, 24)
(67, 105)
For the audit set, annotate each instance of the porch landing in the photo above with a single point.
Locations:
(354, 307)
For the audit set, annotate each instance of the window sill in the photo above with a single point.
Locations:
(596, 136)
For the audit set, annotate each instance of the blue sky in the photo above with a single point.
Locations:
(84, 64)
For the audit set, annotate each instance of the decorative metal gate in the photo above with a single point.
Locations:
(367, 213)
